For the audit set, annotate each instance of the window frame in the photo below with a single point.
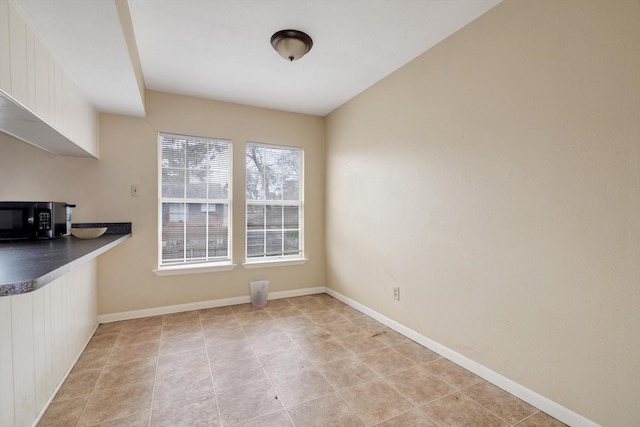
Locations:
(194, 266)
(276, 260)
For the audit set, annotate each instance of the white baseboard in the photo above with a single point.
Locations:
(552, 408)
(297, 292)
(157, 311)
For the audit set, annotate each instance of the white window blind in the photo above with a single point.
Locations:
(195, 204)
(274, 202)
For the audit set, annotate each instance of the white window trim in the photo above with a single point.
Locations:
(264, 262)
(189, 268)
(175, 270)
(281, 262)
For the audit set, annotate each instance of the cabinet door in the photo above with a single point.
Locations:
(24, 380)
(31, 70)
(56, 113)
(67, 111)
(42, 59)
(5, 63)
(18, 55)
(73, 104)
(6, 364)
(42, 376)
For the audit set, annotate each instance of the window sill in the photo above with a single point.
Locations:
(274, 263)
(193, 269)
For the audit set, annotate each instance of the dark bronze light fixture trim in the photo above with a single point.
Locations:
(291, 44)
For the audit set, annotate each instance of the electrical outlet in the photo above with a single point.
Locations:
(135, 191)
(396, 293)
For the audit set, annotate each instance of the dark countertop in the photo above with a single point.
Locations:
(26, 266)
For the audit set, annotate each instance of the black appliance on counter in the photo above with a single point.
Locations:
(32, 220)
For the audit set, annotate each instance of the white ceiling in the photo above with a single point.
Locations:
(221, 49)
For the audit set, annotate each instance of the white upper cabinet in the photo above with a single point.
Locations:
(39, 103)
(18, 56)
(5, 62)
(42, 80)
(31, 71)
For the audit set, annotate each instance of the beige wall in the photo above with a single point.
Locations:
(128, 155)
(496, 180)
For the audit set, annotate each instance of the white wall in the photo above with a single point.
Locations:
(496, 180)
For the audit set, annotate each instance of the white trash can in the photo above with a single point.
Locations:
(259, 293)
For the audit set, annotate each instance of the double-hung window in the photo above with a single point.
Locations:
(274, 202)
(195, 201)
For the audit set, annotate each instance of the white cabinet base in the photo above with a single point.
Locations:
(42, 335)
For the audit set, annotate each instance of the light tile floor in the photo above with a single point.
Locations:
(305, 361)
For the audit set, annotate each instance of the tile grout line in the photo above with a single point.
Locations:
(357, 358)
(480, 405)
(213, 382)
(86, 404)
(399, 415)
(284, 408)
(380, 377)
(315, 367)
(444, 380)
(337, 392)
(157, 361)
(415, 406)
(455, 390)
(489, 410)
(116, 364)
(155, 377)
(265, 373)
(171, 353)
(526, 418)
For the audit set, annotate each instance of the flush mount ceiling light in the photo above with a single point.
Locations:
(291, 44)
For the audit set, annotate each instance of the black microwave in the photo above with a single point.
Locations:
(32, 220)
